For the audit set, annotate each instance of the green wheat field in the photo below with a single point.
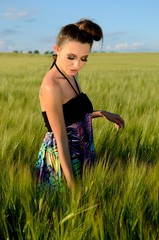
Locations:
(116, 199)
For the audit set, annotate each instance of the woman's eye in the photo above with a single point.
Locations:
(73, 58)
(70, 58)
(84, 59)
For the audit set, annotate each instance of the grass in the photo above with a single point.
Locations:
(119, 197)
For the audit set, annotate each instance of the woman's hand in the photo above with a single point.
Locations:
(115, 118)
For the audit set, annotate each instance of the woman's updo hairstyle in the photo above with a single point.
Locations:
(84, 31)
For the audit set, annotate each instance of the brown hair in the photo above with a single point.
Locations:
(83, 31)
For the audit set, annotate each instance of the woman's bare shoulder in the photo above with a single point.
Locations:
(50, 90)
(50, 83)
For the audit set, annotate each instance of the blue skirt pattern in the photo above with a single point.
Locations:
(82, 152)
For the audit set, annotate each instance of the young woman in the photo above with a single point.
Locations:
(67, 111)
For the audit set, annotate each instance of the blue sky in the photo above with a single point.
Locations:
(128, 25)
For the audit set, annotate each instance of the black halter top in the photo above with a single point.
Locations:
(75, 109)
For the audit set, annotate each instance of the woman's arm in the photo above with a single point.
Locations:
(113, 117)
(52, 100)
(97, 113)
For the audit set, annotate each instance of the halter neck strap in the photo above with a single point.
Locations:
(68, 79)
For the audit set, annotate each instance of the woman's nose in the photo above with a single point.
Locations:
(76, 64)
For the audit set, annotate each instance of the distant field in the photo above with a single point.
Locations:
(119, 199)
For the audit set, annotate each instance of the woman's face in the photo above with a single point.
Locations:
(72, 56)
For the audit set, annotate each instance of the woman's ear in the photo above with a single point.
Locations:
(56, 48)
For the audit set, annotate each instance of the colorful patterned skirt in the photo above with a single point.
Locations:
(81, 146)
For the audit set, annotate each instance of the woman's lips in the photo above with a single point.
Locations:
(74, 71)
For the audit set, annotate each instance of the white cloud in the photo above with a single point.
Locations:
(1, 43)
(114, 35)
(14, 14)
(10, 48)
(121, 46)
(7, 45)
(137, 45)
(125, 46)
(97, 46)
